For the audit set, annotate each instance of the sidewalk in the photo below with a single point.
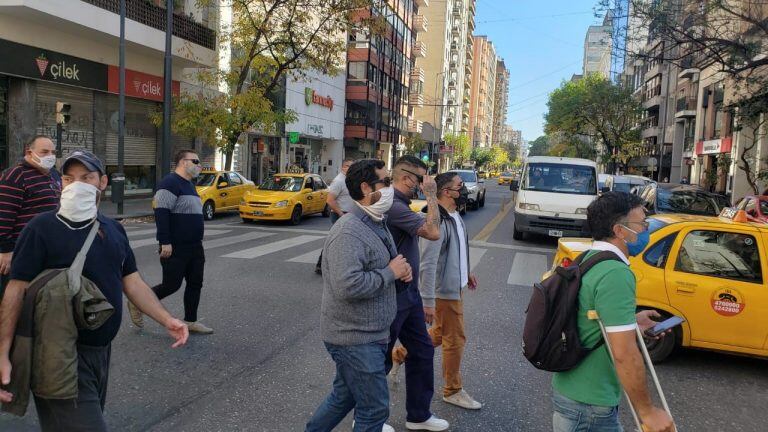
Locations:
(132, 208)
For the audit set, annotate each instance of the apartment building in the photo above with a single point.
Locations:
(378, 80)
(482, 98)
(597, 48)
(53, 51)
(500, 103)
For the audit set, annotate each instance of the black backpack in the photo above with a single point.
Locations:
(551, 337)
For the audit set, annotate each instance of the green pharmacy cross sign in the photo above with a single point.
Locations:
(293, 137)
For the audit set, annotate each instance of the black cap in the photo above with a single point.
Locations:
(91, 162)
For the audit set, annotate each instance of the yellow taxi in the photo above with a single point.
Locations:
(707, 270)
(419, 203)
(221, 191)
(289, 196)
(506, 178)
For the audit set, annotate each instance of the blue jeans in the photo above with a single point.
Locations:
(572, 416)
(360, 384)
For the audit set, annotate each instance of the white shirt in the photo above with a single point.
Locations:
(462, 248)
(339, 190)
(610, 247)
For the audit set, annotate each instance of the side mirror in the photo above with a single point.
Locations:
(222, 185)
(514, 185)
(605, 189)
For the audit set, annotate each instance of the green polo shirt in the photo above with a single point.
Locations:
(608, 288)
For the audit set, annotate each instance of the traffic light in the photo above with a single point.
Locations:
(62, 113)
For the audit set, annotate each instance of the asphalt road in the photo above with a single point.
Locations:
(265, 368)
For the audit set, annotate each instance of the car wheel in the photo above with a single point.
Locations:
(516, 234)
(296, 215)
(476, 203)
(660, 349)
(326, 211)
(209, 210)
(482, 200)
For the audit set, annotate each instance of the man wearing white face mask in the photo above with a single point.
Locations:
(51, 241)
(26, 190)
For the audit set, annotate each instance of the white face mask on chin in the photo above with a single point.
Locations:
(78, 202)
(378, 209)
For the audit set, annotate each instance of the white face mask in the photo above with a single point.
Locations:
(382, 206)
(78, 202)
(45, 162)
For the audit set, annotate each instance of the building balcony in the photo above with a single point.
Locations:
(417, 74)
(470, 53)
(467, 83)
(686, 107)
(452, 84)
(468, 68)
(416, 99)
(419, 23)
(457, 11)
(472, 9)
(471, 23)
(653, 71)
(415, 126)
(419, 49)
(455, 30)
(688, 69)
(422, 3)
(454, 48)
(649, 132)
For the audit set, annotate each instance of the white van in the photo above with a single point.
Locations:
(552, 196)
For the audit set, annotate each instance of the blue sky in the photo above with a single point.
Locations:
(541, 42)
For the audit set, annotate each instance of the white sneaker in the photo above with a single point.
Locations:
(462, 399)
(384, 428)
(198, 327)
(393, 376)
(432, 424)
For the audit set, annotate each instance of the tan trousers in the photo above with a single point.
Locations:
(447, 331)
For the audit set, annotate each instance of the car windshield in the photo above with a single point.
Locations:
(285, 184)
(506, 174)
(468, 176)
(687, 201)
(205, 179)
(655, 225)
(560, 178)
(622, 187)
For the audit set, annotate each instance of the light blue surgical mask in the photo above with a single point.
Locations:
(638, 246)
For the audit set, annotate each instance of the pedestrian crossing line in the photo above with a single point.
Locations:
(511, 247)
(475, 255)
(307, 258)
(275, 229)
(153, 241)
(527, 268)
(228, 241)
(269, 248)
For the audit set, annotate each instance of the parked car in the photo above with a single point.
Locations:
(755, 206)
(221, 191)
(553, 196)
(680, 198)
(625, 183)
(475, 186)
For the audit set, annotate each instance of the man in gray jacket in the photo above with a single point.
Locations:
(443, 276)
(360, 266)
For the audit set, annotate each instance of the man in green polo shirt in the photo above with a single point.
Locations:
(586, 398)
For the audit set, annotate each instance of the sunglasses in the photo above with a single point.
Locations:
(419, 178)
(194, 161)
(386, 181)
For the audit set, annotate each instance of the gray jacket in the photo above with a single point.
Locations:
(440, 272)
(359, 301)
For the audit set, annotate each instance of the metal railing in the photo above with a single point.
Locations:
(153, 16)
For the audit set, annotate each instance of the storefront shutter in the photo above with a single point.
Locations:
(79, 132)
(141, 135)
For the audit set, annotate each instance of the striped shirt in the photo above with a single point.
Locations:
(25, 192)
(178, 212)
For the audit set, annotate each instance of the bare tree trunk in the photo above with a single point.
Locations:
(228, 160)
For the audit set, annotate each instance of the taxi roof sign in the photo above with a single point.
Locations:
(734, 215)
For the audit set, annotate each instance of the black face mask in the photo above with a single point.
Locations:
(463, 197)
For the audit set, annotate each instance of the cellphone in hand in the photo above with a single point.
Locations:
(664, 326)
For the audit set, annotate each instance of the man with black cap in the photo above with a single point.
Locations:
(52, 240)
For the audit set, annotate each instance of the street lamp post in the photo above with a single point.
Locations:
(434, 126)
(165, 154)
(121, 111)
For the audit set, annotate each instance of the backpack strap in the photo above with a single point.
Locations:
(585, 264)
(76, 269)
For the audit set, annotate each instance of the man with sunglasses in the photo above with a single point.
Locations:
(586, 398)
(406, 226)
(179, 221)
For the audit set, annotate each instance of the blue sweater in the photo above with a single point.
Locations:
(178, 212)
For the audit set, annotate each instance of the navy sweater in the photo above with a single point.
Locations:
(178, 212)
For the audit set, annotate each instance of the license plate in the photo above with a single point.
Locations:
(555, 233)
(258, 213)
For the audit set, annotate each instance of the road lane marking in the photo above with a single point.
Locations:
(475, 255)
(269, 248)
(512, 247)
(275, 229)
(228, 241)
(527, 269)
(307, 258)
(153, 241)
(141, 232)
(487, 230)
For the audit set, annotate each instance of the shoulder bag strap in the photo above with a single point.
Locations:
(76, 269)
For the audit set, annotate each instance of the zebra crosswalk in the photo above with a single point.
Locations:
(526, 265)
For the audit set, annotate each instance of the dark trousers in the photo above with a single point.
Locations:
(410, 328)
(187, 262)
(87, 412)
(334, 218)
(4, 279)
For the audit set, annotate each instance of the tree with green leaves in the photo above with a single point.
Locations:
(589, 111)
(462, 148)
(540, 146)
(270, 41)
(499, 157)
(414, 144)
(481, 155)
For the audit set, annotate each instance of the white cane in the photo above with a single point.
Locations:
(592, 314)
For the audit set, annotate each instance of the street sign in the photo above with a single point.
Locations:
(293, 137)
